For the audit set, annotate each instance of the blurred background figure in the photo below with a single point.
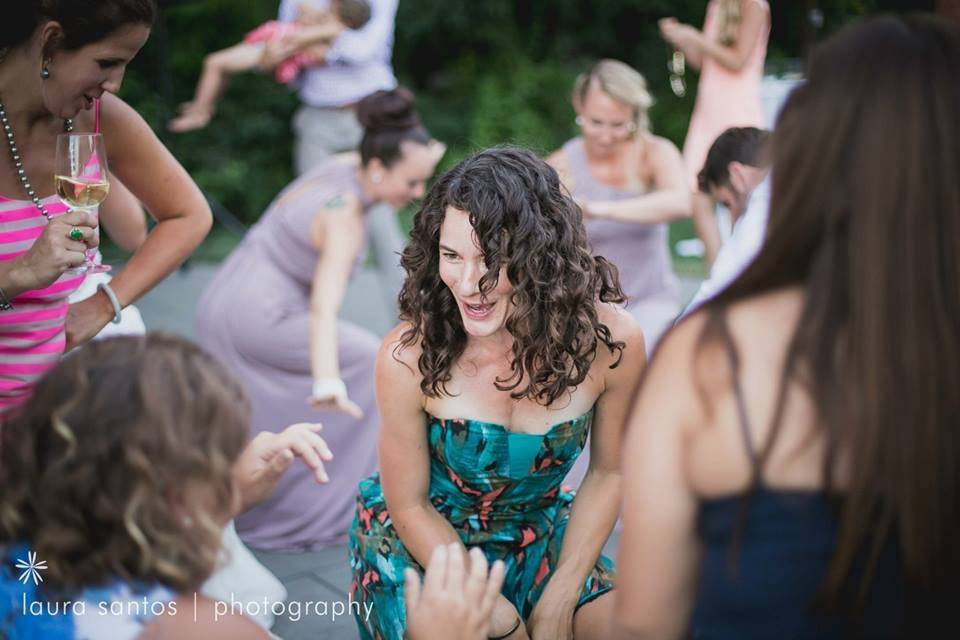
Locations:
(730, 54)
(118, 476)
(736, 175)
(629, 183)
(271, 316)
(357, 64)
(794, 452)
(288, 47)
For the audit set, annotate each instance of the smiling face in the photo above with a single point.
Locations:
(79, 76)
(461, 267)
(606, 122)
(406, 179)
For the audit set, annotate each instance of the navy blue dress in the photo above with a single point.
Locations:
(765, 556)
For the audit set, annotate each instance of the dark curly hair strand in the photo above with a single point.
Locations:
(524, 218)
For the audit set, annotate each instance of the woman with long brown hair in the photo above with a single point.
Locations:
(511, 352)
(730, 53)
(795, 462)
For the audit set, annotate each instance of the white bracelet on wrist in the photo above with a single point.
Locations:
(117, 310)
(329, 387)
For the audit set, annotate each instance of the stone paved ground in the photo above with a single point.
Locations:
(315, 576)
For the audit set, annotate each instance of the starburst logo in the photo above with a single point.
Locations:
(31, 568)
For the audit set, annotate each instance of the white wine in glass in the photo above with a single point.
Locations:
(81, 194)
(81, 180)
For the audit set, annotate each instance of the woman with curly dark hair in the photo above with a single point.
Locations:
(511, 350)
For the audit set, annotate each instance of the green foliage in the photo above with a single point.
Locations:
(243, 158)
(486, 72)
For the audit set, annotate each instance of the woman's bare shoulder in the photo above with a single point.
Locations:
(661, 147)
(622, 324)
(396, 356)
(561, 164)
(623, 328)
(557, 159)
(760, 327)
(351, 158)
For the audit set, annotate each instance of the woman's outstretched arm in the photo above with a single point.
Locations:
(337, 235)
(669, 199)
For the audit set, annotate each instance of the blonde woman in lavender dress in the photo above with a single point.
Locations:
(630, 184)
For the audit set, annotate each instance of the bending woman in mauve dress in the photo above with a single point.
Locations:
(270, 314)
(511, 351)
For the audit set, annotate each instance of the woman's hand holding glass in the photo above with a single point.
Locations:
(80, 175)
(54, 252)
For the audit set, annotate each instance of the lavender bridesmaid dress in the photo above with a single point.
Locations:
(255, 316)
(639, 250)
(642, 257)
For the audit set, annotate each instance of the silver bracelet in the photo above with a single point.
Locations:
(4, 301)
(103, 286)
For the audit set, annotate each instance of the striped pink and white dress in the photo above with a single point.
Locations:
(32, 333)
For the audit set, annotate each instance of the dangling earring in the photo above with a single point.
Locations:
(44, 70)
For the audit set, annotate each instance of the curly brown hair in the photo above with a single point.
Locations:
(524, 218)
(97, 469)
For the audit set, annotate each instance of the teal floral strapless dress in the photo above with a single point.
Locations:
(501, 492)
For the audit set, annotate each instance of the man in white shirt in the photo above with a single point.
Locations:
(736, 174)
(357, 64)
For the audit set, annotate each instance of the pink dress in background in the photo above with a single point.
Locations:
(288, 70)
(724, 98)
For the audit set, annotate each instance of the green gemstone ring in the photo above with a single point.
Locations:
(75, 234)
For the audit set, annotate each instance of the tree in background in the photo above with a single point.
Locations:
(485, 73)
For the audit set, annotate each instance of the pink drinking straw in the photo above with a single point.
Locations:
(96, 115)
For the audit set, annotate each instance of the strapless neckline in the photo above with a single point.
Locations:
(582, 418)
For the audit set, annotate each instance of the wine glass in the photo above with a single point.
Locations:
(80, 175)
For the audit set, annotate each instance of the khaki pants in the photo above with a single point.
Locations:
(321, 132)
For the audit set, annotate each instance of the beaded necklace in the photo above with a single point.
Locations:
(18, 161)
